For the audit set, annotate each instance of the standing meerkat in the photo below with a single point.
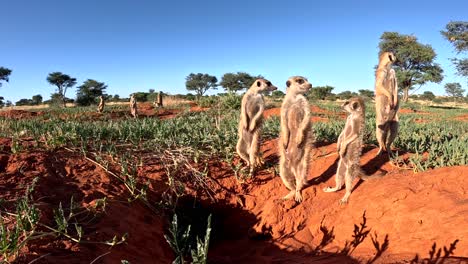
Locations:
(159, 100)
(101, 104)
(296, 137)
(133, 106)
(250, 124)
(349, 147)
(386, 102)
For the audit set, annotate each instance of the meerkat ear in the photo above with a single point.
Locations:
(288, 83)
(258, 84)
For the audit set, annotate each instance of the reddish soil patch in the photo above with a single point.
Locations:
(250, 222)
(272, 112)
(462, 117)
(412, 111)
(19, 114)
(318, 114)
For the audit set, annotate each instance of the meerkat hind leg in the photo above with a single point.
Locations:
(349, 186)
(241, 150)
(392, 133)
(339, 178)
(253, 153)
(381, 135)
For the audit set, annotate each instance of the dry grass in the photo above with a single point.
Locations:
(168, 101)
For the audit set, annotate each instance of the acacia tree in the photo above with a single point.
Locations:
(89, 91)
(4, 75)
(414, 64)
(233, 82)
(37, 99)
(427, 95)
(63, 82)
(366, 93)
(200, 83)
(454, 90)
(321, 92)
(457, 34)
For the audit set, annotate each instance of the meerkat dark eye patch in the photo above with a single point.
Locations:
(258, 84)
(391, 58)
(268, 83)
(355, 106)
(300, 81)
(288, 83)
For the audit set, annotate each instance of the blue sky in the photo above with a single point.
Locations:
(140, 45)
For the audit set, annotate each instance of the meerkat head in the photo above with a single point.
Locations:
(387, 58)
(354, 105)
(298, 85)
(263, 85)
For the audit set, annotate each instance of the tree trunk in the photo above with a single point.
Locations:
(64, 102)
(405, 94)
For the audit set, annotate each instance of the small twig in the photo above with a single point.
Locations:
(96, 259)
(41, 257)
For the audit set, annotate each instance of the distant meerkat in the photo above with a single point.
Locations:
(101, 104)
(250, 124)
(296, 137)
(159, 102)
(386, 102)
(349, 147)
(133, 106)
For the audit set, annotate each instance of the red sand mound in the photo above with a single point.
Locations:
(250, 223)
(19, 114)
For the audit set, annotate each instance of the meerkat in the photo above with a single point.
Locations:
(250, 124)
(133, 106)
(386, 102)
(159, 100)
(101, 104)
(349, 147)
(296, 137)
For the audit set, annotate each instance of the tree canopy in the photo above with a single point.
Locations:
(454, 90)
(89, 91)
(63, 82)
(427, 95)
(200, 83)
(233, 82)
(36, 100)
(320, 92)
(345, 95)
(4, 75)
(414, 61)
(457, 34)
(366, 93)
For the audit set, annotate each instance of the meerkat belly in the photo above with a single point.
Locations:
(353, 153)
(295, 117)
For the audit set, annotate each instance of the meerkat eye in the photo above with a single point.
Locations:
(268, 83)
(300, 81)
(355, 106)
(288, 83)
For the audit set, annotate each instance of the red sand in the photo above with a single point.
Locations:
(252, 224)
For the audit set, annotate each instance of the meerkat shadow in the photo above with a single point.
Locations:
(375, 164)
(325, 176)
